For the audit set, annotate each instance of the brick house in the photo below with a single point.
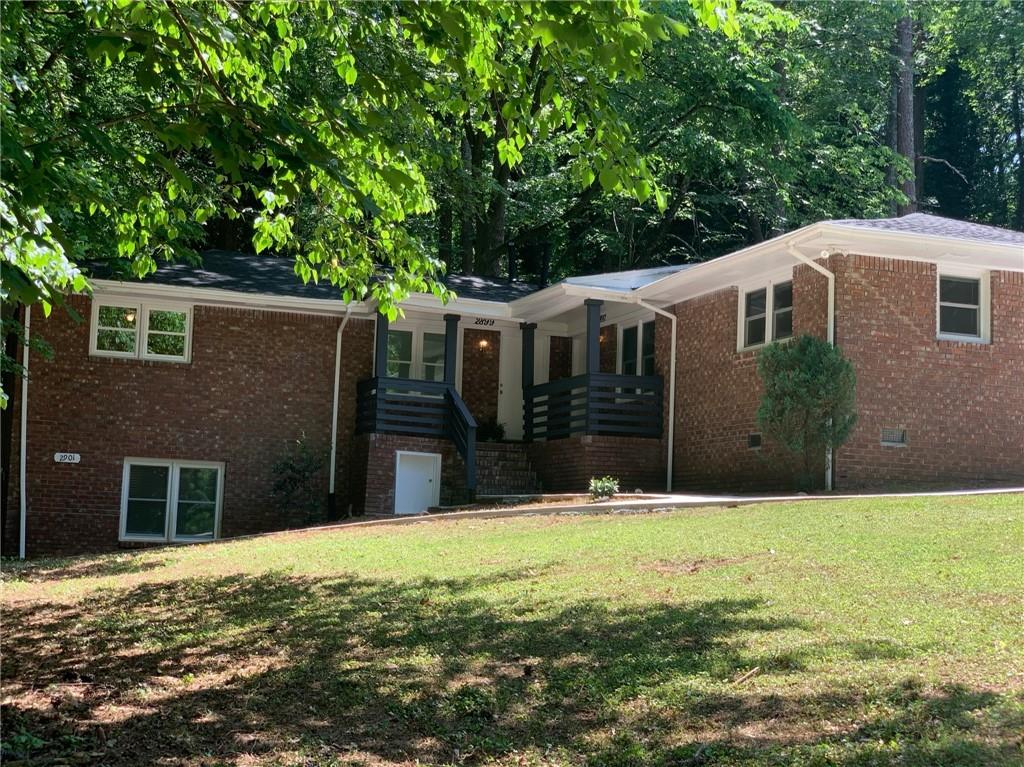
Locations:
(163, 412)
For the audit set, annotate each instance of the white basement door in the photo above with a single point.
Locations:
(417, 482)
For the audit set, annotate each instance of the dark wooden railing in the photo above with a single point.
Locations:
(419, 408)
(595, 403)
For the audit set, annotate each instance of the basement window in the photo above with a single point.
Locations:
(141, 330)
(962, 308)
(170, 501)
(754, 440)
(894, 437)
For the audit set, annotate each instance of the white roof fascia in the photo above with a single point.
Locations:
(999, 256)
(473, 307)
(228, 298)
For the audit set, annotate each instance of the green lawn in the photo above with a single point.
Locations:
(820, 633)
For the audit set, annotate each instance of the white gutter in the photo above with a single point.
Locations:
(334, 406)
(831, 320)
(22, 484)
(670, 453)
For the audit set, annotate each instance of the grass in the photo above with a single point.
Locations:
(820, 633)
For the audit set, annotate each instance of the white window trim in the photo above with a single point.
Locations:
(171, 515)
(95, 322)
(144, 339)
(418, 328)
(984, 305)
(769, 314)
(620, 347)
(142, 310)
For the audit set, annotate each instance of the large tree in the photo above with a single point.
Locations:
(139, 129)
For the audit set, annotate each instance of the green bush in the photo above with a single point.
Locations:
(297, 479)
(809, 399)
(604, 487)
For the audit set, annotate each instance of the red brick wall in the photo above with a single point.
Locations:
(718, 392)
(566, 465)
(375, 489)
(256, 381)
(961, 403)
(481, 373)
(560, 358)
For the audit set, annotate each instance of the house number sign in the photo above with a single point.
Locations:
(67, 458)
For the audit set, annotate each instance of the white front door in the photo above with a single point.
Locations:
(417, 481)
(510, 383)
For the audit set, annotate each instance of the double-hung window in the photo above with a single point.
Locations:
(133, 329)
(170, 500)
(415, 354)
(962, 310)
(636, 352)
(766, 314)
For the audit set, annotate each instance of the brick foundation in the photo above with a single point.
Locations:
(566, 465)
(374, 470)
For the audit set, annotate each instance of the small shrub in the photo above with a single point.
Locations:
(490, 431)
(603, 487)
(809, 399)
(297, 476)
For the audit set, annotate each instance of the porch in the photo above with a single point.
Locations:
(419, 394)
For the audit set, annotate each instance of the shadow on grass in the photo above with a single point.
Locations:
(62, 568)
(206, 670)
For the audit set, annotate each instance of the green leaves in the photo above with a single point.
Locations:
(809, 396)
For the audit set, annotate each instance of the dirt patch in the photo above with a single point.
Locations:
(692, 566)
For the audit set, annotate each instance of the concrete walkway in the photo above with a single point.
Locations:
(633, 505)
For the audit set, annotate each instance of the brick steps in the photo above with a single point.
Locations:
(503, 468)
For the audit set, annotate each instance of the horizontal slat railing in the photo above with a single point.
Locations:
(596, 403)
(418, 408)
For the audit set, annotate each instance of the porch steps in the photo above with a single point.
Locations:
(503, 468)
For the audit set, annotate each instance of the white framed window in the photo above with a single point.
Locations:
(765, 314)
(415, 354)
(144, 330)
(962, 310)
(115, 329)
(636, 349)
(175, 501)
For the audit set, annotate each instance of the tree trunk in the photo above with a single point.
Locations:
(890, 125)
(905, 110)
(444, 232)
(467, 223)
(1018, 128)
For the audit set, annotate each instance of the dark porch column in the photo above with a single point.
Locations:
(593, 335)
(527, 328)
(380, 347)
(451, 346)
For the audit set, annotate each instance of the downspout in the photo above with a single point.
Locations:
(23, 463)
(831, 320)
(670, 453)
(331, 507)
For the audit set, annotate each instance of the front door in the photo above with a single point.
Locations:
(417, 482)
(510, 383)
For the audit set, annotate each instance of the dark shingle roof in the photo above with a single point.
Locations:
(937, 226)
(275, 275)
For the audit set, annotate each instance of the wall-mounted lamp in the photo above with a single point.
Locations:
(483, 343)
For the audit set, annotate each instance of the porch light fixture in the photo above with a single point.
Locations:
(483, 343)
